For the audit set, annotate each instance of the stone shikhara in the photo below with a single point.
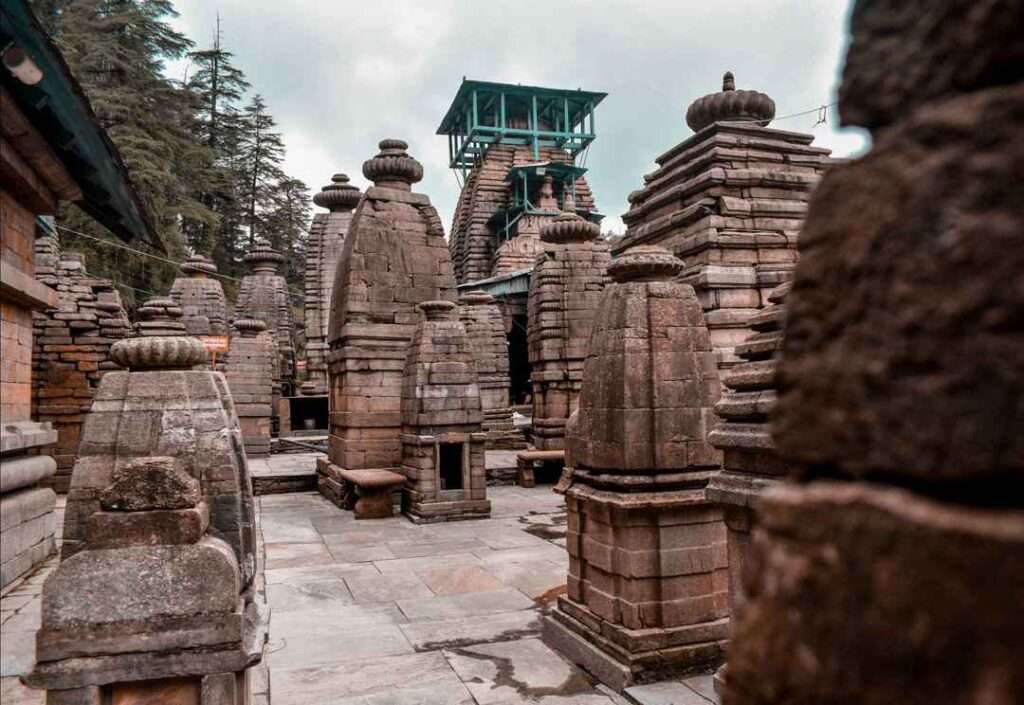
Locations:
(648, 577)
(263, 296)
(201, 297)
(323, 251)
(565, 289)
(729, 201)
(158, 577)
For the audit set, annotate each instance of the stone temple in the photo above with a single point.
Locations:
(263, 296)
(515, 150)
(201, 297)
(395, 257)
(323, 251)
(729, 201)
(648, 577)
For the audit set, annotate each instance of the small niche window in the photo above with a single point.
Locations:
(450, 465)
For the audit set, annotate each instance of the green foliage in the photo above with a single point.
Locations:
(208, 171)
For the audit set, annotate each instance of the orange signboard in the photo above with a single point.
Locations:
(214, 343)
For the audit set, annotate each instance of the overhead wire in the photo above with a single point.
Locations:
(141, 253)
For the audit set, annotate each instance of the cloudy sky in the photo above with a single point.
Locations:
(340, 75)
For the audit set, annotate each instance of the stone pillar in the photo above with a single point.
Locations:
(442, 437)
(648, 576)
(71, 348)
(395, 257)
(263, 296)
(249, 369)
(157, 592)
(564, 292)
(201, 297)
(750, 462)
(728, 200)
(485, 327)
(892, 569)
(323, 251)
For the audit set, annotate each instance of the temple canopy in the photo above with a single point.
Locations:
(485, 113)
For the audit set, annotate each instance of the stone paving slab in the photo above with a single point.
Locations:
(424, 677)
(453, 621)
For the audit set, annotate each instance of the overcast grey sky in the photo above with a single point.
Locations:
(340, 75)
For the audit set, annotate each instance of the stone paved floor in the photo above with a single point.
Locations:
(388, 612)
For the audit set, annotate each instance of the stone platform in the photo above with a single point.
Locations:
(390, 612)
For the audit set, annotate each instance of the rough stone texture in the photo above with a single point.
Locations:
(323, 251)
(158, 577)
(71, 348)
(905, 54)
(395, 256)
(839, 569)
(263, 296)
(750, 463)
(564, 292)
(485, 327)
(442, 414)
(26, 530)
(939, 201)
(201, 297)
(900, 387)
(475, 252)
(648, 577)
(250, 372)
(729, 201)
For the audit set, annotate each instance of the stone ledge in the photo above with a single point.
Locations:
(17, 286)
(22, 435)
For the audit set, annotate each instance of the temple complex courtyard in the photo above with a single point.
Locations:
(394, 612)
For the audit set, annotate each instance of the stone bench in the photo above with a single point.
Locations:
(373, 489)
(525, 462)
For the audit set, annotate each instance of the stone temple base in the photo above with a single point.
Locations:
(621, 657)
(437, 511)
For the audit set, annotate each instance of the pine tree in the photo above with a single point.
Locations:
(117, 49)
(261, 153)
(286, 227)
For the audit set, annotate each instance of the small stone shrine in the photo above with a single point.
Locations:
(395, 257)
(750, 462)
(263, 296)
(251, 373)
(157, 594)
(648, 575)
(892, 569)
(323, 250)
(201, 297)
(442, 438)
(564, 293)
(729, 200)
(485, 327)
(71, 348)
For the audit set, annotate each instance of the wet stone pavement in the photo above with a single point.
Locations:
(384, 611)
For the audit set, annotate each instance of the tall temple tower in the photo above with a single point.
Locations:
(326, 239)
(517, 150)
(729, 201)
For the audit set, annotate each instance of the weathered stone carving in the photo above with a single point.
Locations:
(250, 371)
(648, 578)
(323, 251)
(485, 328)
(263, 296)
(395, 256)
(728, 200)
(442, 437)
(201, 297)
(564, 292)
(900, 387)
(71, 348)
(159, 573)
